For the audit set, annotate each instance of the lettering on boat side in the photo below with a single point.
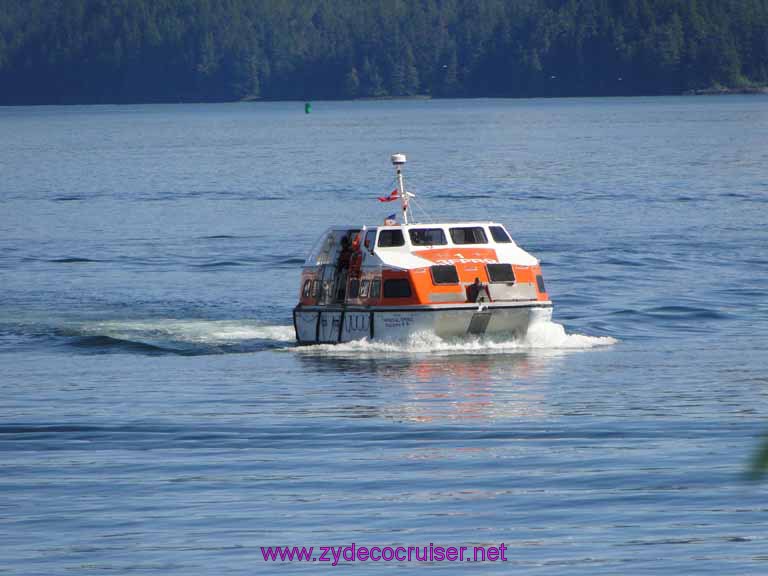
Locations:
(328, 326)
(397, 320)
(449, 257)
(359, 322)
(452, 261)
(334, 321)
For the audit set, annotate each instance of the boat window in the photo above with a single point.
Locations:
(444, 275)
(325, 290)
(354, 288)
(540, 284)
(391, 238)
(370, 239)
(351, 237)
(364, 286)
(427, 236)
(315, 288)
(470, 235)
(500, 235)
(376, 289)
(307, 288)
(397, 288)
(501, 273)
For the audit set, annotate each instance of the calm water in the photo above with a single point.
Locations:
(156, 417)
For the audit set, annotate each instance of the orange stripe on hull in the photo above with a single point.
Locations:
(424, 291)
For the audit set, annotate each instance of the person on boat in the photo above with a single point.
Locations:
(476, 291)
(342, 266)
(344, 254)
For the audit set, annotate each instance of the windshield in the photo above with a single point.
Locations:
(427, 237)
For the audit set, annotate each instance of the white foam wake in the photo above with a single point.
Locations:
(552, 335)
(189, 331)
(545, 335)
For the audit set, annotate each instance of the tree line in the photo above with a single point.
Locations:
(89, 51)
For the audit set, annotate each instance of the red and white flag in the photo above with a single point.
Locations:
(392, 196)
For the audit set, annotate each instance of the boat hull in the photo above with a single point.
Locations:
(336, 324)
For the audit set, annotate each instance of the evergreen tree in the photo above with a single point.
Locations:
(411, 73)
(352, 83)
(372, 84)
(67, 51)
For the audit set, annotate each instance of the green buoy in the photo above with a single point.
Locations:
(307, 107)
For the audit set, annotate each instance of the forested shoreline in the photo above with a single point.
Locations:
(104, 51)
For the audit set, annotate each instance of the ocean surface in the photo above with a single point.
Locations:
(157, 417)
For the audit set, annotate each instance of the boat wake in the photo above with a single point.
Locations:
(184, 337)
(194, 337)
(542, 336)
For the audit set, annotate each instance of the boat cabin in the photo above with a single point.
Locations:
(419, 264)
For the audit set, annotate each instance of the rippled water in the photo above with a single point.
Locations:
(157, 417)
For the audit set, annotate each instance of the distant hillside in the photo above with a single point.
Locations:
(73, 51)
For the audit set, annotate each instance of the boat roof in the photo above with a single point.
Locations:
(417, 225)
(435, 224)
(408, 255)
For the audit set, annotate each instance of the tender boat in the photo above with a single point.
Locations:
(390, 281)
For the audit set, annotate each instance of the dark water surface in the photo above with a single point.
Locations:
(156, 417)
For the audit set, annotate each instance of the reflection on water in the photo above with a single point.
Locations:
(427, 388)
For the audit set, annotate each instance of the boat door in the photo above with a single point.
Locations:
(327, 277)
(325, 259)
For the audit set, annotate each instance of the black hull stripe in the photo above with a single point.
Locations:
(413, 309)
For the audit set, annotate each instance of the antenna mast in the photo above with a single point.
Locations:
(398, 161)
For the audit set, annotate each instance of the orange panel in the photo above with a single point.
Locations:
(541, 295)
(421, 281)
(395, 274)
(524, 274)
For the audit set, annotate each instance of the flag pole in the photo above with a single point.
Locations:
(398, 161)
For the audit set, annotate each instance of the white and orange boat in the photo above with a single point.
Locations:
(390, 281)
